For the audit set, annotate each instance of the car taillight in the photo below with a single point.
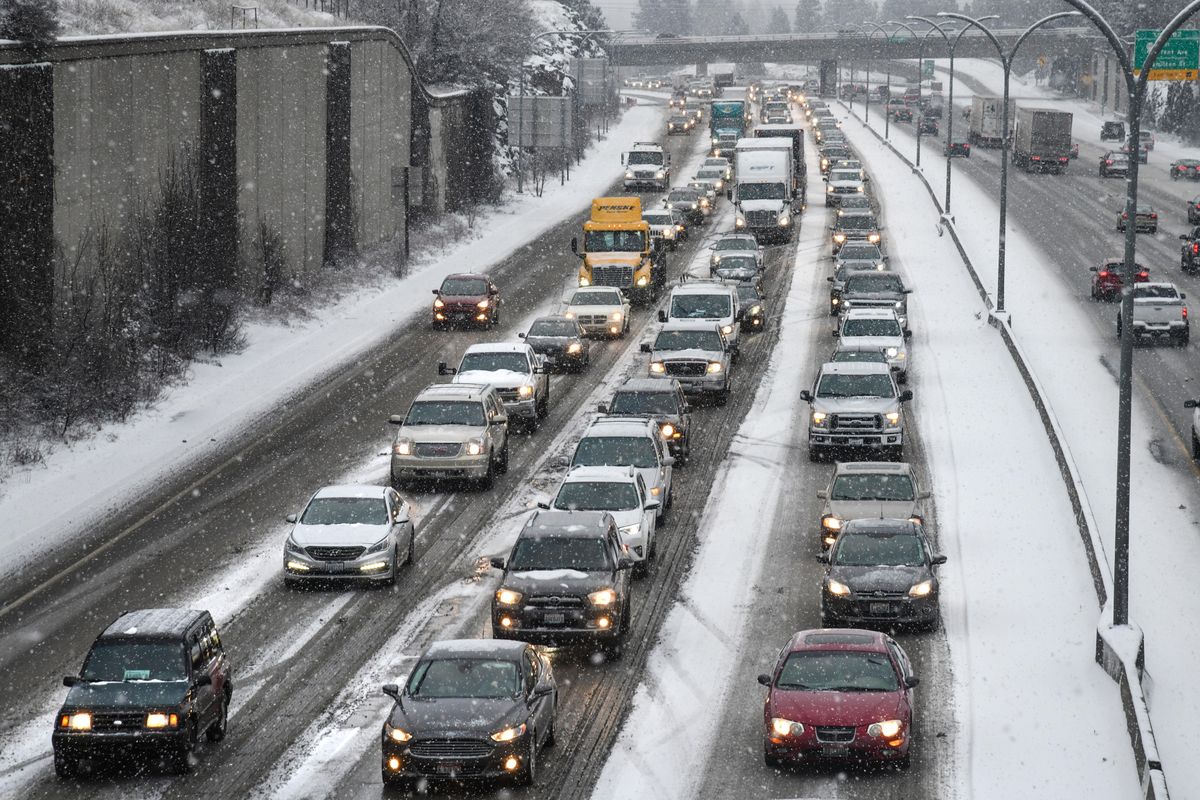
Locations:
(1154, 216)
(1195, 248)
(1184, 312)
(1104, 274)
(1108, 163)
(1143, 275)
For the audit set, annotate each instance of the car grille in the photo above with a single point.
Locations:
(593, 319)
(450, 748)
(612, 275)
(686, 369)
(118, 720)
(870, 303)
(761, 219)
(438, 449)
(845, 190)
(335, 553)
(554, 601)
(509, 395)
(856, 422)
(835, 735)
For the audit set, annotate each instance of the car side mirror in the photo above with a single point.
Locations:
(575, 245)
(908, 334)
(290, 518)
(1191, 403)
(625, 563)
(835, 333)
(830, 278)
(1183, 296)
(937, 560)
(497, 562)
(653, 505)
(500, 419)
(520, 335)
(823, 494)
(543, 689)
(602, 408)
(395, 419)
(906, 395)
(764, 679)
(924, 495)
(203, 680)
(911, 681)
(668, 461)
(806, 395)
(1183, 236)
(542, 504)
(662, 315)
(645, 348)
(908, 291)
(443, 368)
(437, 291)
(71, 680)
(392, 691)
(822, 558)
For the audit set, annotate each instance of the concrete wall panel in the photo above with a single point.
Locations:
(380, 118)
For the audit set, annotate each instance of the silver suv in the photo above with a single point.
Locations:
(855, 406)
(451, 431)
(880, 328)
(629, 442)
(515, 370)
(697, 354)
(877, 489)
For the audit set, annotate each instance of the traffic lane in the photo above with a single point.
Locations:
(329, 431)
(594, 696)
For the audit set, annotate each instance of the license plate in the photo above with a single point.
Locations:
(334, 566)
(448, 768)
(858, 440)
(554, 619)
(835, 751)
(881, 608)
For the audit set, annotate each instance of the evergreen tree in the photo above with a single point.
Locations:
(809, 17)
(736, 25)
(711, 16)
(33, 21)
(779, 22)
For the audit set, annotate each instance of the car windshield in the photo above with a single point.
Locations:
(871, 327)
(616, 451)
(739, 262)
(855, 201)
(878, 550)
(860, 252)
(845, 175)
(494, 362)
(709, 174)
(595, 299)
(887, 487)
(736, 243)
(864, 222)
(135, 661)
(443, 412)
(655, 159)
(613, 241)
(658, 218)
(859, 357)
(871, 385)
(688, 340)
(678, 120)
(701, 306)
(722, 163)
(345, 511)
(837, 671)
(598, 496)
(475, 678)
(585, 555)
(644, 403)
(835, 154)
(1114, 157)
(472, 287)
(874, 282)
(761, 191)
(553, 327)
(682, 196)
(748, 294)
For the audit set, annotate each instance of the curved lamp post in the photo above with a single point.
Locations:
(1006, 60)
(920, 62)
(867, 107)
(886, 119)
(950, 99)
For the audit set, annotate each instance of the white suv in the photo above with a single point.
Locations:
(622, 492)
(878, 328)
(629, 442)
(705, 301)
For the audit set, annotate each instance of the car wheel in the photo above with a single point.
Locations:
(216, 731)
(896, 453)
(489, 478)
(411, 554)
(1195, 446)
(394, 573)
(1182, 339)
(771, 760)
(502, 464)
(550, 740)
(64, 766)
(529, 774)
(181, 759)
(815, 455)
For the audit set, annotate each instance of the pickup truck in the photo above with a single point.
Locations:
(856, 407)
(516, 372)
(1158, 312)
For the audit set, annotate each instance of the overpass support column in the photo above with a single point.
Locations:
(829, 77)
(701, 70)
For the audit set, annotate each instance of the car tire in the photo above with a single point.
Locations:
(550, 738)
(895, 453)
(1183, 339)
(528, 775)
(771, 760)
(65, 767)
(502, 463)
(815, 455)
(904, 763)
(411, 554)
(489, 478)
(217, 730)
(395, 571)
(1195, 446)
(181, 758)
(543, 406)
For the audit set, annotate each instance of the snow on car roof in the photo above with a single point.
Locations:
(352, 490)
(475, 647)
(611, 474)
(689, 325)
(498, 347)
(871, 313)
(855, 368)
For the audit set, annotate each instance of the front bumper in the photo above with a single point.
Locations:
(610, 329)
(114, 744)
(867, 610)
(646, 183)
(461, 467)
(303, 567)
(556, 624)
(818, 437)
(452, 316)
(818, 744)
(701, 384)
(524, 409)
(399, 760)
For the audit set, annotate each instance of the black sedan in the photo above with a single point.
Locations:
(754, 307)
(1185, 168)
(881, 574)
(561, 341)
(472, 708)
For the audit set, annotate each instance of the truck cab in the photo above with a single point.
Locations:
(619, 251)
(765, 188)
(647, 165)
(726, 124)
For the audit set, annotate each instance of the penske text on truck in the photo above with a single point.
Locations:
(617, 250)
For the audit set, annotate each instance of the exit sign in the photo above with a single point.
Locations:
(1179, 60)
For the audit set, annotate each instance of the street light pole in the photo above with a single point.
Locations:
(920, 68)
(950, 99)
(1006, 60)
(867, 109)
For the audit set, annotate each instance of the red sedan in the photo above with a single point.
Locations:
(1107, 281)
(839, 694)
(466, 299)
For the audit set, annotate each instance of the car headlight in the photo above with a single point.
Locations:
(79, 721)
(403, 447)
(482, 304)
(628, 530)
(525, 390)
(873, 238)
(584, 282)
(571, 314)
(740, 222)
(603, 598)
(508, 734)
(785, 727)
(475, 447)
(669, 232)
(714, 367)
(628, 174)
(694, 205)
(667, 430)
(862, 189)
(831, 523)
(720, 185)
(839, 237)
(726, 329)
(819, 417)
(616, 316)
(508, 597)
(161, 719)
(836, 587)
(899, 304)
(892, 417)
(886, 729)
(785, 218)
(658, 367)
(438, 303)
(755, 310)
(396, 734)
(574, 347)
(921, 589)
(379, 546)
(828, 190)
(715, 140)
(660, 174)
(892, 352)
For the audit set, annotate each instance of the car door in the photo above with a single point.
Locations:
(401, 517)
(202, 654)
(496, 432)
(906, 671)
(667, 471)
(541, 705)
(649, 516)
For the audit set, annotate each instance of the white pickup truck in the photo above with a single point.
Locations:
(1158, 312)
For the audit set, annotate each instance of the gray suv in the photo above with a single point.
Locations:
(876, 489)
(855, 407)
(451, 431)
(697, 355)
(875, 289)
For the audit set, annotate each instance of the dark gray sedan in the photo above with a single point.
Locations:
(881, 575)
(560, 341)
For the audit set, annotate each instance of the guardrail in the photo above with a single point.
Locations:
(1120, 650)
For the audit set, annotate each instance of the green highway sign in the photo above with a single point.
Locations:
(927, 68)
(1179, 59)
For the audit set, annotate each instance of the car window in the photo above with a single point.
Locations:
(871, 327)
(464, 286)
(761, 191)
(860, 356)
(845, 175)
(701, 306)
(345, 511)
(644, 403)
(838, 670)
(874, 282)
(614, 241)
(476, 678)
(495, 362)
(595, 299)
(872, 385)
(616, 451)
(551, 553)
(860, 252)
(1167, 292)
(864, 222)
(135, 661)
(444, 412)
(657, 219)
(878, 550)
(645, 158)
(688, 340)
(556, 327)
(596, 496)
(735, 244)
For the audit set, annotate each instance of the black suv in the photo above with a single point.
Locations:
(664, 401)
(566, 580)
(152, 683)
